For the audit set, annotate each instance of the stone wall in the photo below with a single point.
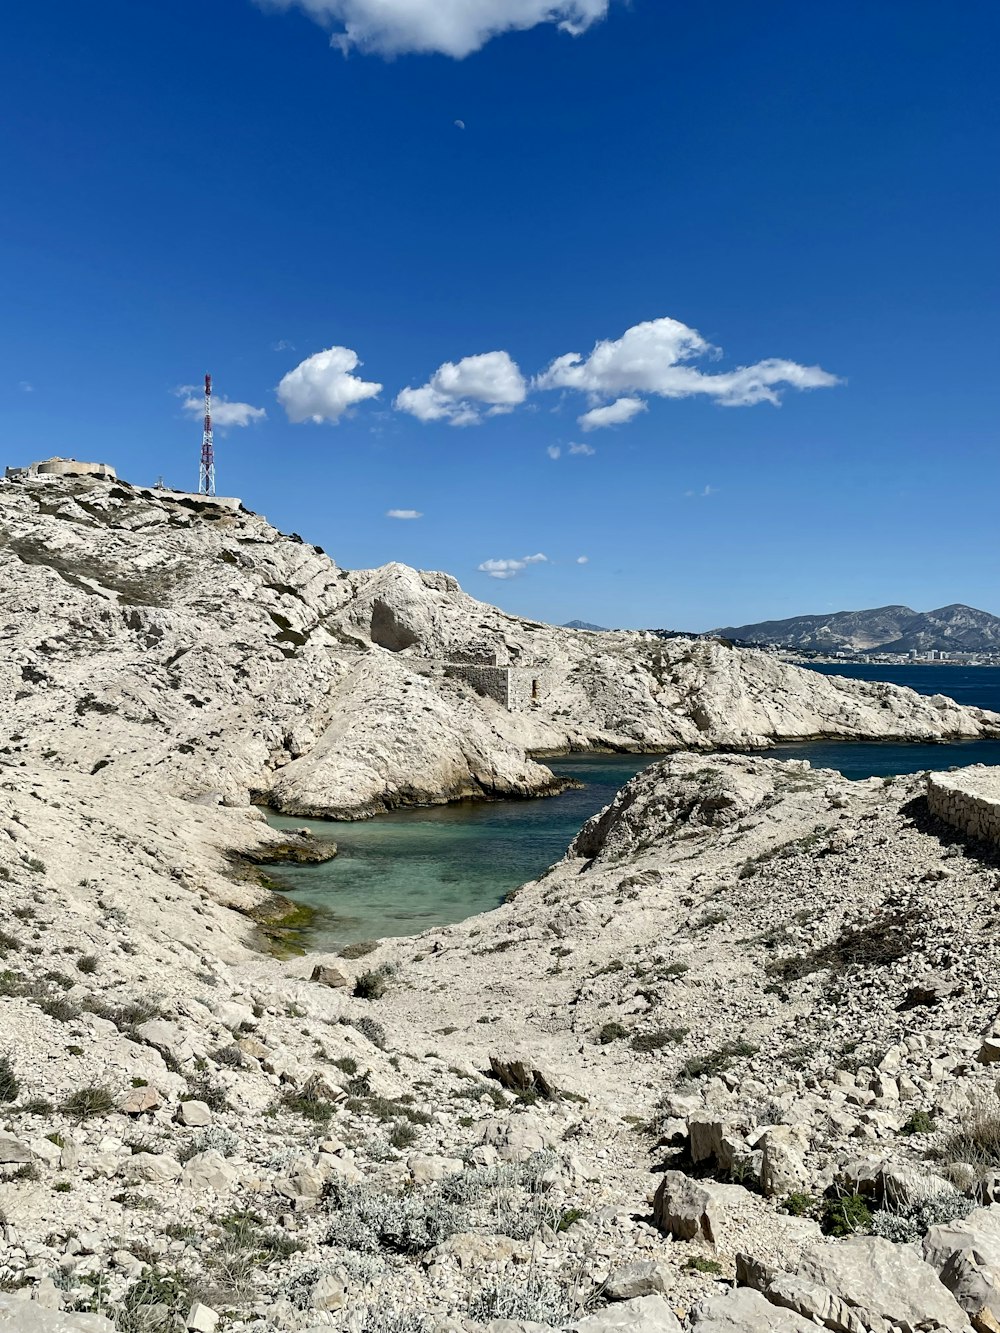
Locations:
(968, 800)
(513, 688)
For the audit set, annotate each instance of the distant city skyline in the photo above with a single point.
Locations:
(626, 313)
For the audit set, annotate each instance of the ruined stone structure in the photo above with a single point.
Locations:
(490, 673)
(968, 800)
(62, 467)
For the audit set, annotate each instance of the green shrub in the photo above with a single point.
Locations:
(655, 1041)
(611, 1032)
(404, 1134)
(9, 1085)
(694, 1263)
(798, 1205)
(370, 985)
(845, 1215)
(919, 1123)
(88, 963)
(718, 1061)
(87, 1102)
(358, 950)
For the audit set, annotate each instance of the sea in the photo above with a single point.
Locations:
(403, 873)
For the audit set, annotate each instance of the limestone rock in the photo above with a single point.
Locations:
(640, 1279)
(209, 1171)
(885, 1285)
(965, 1254)
(19, 1316)
(14, 1152)
(328, 976)
(644, 1314)
(328, 1293)
(747, 1311)
(151, 1166)
(194, 1115)
(519, 1075)
(688, 1209)
(141, 1100)
(201, 1319)
(989, 1052)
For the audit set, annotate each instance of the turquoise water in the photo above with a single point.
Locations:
(403, 873)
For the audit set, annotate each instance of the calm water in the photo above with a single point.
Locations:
(402, 873)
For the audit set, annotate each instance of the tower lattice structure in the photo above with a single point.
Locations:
(206, 476)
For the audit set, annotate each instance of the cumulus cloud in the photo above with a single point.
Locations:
(224, 413)
(554, 452)
(462, 392)
(583, 559)
(655, 358)
(449, 27)
(403, 513)
(509, 569)
(619, 412)
(586, 450)
(322, 388)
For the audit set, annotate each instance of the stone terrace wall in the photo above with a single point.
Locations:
(968, 800)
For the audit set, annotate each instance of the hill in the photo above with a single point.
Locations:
(891, 629)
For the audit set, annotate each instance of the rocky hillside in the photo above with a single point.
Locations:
(195, 650)
(890, 629)
(730, 1065)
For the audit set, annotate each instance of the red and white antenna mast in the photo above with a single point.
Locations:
(206, 477)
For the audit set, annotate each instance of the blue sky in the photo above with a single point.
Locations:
(811, 189)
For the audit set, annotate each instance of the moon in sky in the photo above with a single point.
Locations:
(460, 124)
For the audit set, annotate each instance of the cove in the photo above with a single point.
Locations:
(402, 873)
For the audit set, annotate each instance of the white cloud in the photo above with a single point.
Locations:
(654, 358)
(25, 387)
(450, 27)
(282, 345)
(583, 559)
(224, 413)
(586, 450)
(403, 513)
(322, 388)
(617, 413)
(458, 392)
(554, 452)
(702, 494)
(509, 569)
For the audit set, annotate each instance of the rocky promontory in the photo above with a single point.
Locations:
(730, 1064)
(196, 649)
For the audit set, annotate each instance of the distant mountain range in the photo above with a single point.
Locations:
(887, 629)
(583, 624)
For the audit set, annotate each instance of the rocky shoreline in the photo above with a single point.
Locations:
(729, 1064)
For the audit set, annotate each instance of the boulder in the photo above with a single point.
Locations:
(328, 976)
(883, 1285)
(893, 1185)
(716, 1141)
(929, 990)
(303, 1188)
(170, 1039)
(517, 1074)
(209, 1171)
(194, 1115)
(201, 1319)
(989, 1052)
(426, 1170)
(746, 1311)
(14, 1152)
(965, 1255)
(328, 1293)
(645, 1314)
(643, 1279)
(688, 1209)
(141, 1100)
(151, 1166)
(21, 1316)
(782, 1170)
(987, 1189)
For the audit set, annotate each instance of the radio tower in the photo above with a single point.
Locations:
(206, 477)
